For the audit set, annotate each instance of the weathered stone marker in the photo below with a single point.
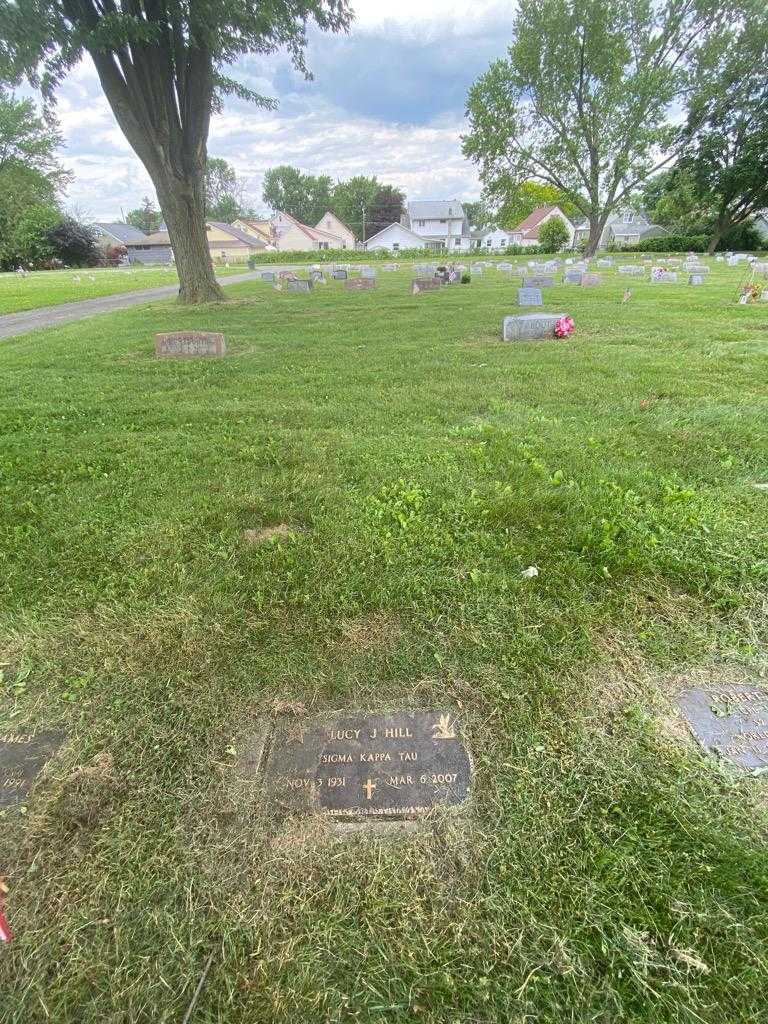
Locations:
(425, 284)
(360, 284)
(339, 275)
(730, 721)
(529, 325)
(539, 281)
(189, 345)
(695, 279)
(268, 275)
(299, 286)
(529, 297)
(22, 757)
(362, 767)
(573, 276)
(589, 280)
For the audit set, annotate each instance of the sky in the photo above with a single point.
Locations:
(386, 99)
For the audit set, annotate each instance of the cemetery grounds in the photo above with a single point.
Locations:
(414, 466)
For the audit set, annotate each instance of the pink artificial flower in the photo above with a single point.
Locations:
(564, 327)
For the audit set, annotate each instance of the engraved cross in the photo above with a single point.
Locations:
(368, 788)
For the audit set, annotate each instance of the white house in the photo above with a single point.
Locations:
(527, 231)
(394, 237)
(493, 239)
(441, 224)
(623, 227)
(290, 235)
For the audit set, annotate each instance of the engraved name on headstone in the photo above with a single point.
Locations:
(339, 275)
(539, 281)
(529, 325)
(189, 345)
(729, 720)
(22, 757)
(529, 297)
(299, 286)
(573, 276)
(369, 766)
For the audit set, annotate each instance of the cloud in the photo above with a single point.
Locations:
(387, 99)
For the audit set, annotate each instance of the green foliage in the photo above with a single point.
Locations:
(745, 238)
(223, 192)
(581, 101)
(304, 196)
(74, 243)
(725, 138)
(515, 203)
(553, 234)
(388, 208)
(146, 218)
(354, 202)
(478, 214)
(28, 243)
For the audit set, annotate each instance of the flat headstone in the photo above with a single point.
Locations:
(529, 325)
(317, 276)
(339, 275)
(189, 345)
(368, 766)
(268, 275)
(529, 297)
(730, 721)
(539, 281)
(424, 284)
(360, 284)
(605, 263)
(589, 280)
(632, 269)
(663, 276)
(22, 757)
(695, 279)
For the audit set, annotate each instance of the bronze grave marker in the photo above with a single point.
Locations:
(730, 721)
(22, 758)
(369, 766)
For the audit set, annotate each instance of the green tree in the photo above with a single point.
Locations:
(515, 203)
(304, 196)
(672, 199)
(30, 179)
(478, 214)
(553, 234)
(582, 100)
(725, 138)
(354, 202)
(224, 192)
(146, 218)
(162, 66)
(387, 208)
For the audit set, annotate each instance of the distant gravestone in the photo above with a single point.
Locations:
(364, 767)
(529, 297)
(697, 268)
(695, 279)
(529, 326)
(299, 286)
(360, 284)
(268, 275)
(424, 284)
(573, 276)
(189, 345)
(730, 721)
(317, 277)
(659, 276)
(22, 757)
(339, 275)
(476, 269)
(605, 263)
(539, 281)
(632, 270)
(590, 280)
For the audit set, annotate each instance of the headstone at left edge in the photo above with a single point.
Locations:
(363, 767)
(22, 758)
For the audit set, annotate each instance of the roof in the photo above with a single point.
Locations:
(241, 236)
(125, 233)
(419, 239)
(436, 209)
(529, 228)
(330, 213)
(158, 238)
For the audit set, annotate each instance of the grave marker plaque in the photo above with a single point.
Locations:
(528, 326)
(369, 766)
(539, 281)
(729, 720)
(425, 284)
(529, 297)
(22, 757)
(339, 275)
(589, 280)
(299, 286)
(360, 284)
(189, 345)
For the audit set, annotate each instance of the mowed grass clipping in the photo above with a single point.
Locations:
(48, 288)
(416, 465)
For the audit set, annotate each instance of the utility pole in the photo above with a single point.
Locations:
(362, 210)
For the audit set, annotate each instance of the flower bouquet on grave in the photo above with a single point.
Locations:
(564, 326)
(658, 273)
(752, 292)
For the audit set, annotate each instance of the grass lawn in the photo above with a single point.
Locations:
(50, 287)
(607, 873)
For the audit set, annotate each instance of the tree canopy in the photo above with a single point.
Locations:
(163, 68)
(146, 218)
(582, 101)
(304, 196)
(554, 234)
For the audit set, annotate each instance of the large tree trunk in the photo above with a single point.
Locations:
(722, 224)
(596, 225)
(183, 206)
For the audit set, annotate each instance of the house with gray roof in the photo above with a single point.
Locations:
(140, 248)
(442, 224)
(623, 227)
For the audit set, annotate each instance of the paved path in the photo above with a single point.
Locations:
(52, 316)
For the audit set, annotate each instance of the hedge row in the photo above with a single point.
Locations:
(384, 255)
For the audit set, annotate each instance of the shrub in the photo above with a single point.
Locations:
(74, 243)
(553, 234)
(465, 278)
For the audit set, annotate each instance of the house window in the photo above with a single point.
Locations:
(420, 223)
(489, 242)
(322, 245)
(457, 241)
(395, 246)
(443, 220)
(327, 223)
